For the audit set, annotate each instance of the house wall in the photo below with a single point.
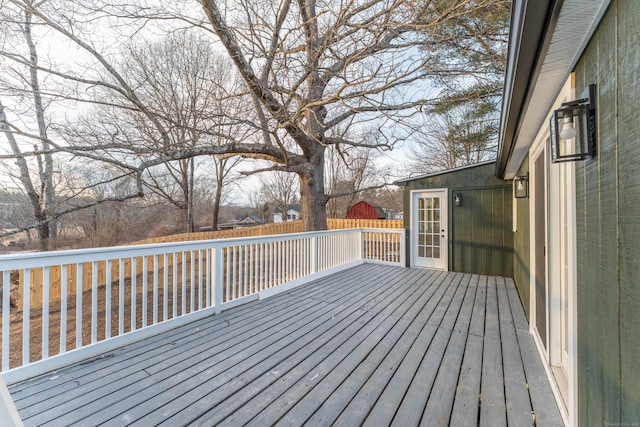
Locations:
(608, 226)
(480, 235)
(521, 246)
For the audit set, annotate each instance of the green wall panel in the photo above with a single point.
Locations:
(608, 226)
(480, 236)
(521, 256)
(628, 185)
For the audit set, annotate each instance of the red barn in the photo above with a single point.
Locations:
(364, 210)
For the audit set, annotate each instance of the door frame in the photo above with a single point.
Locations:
(560, 263)
(539, 150)
(444, 222)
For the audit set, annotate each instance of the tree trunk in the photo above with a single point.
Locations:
(312, 196)
(216, 206)
(46, 231)
(190, 190)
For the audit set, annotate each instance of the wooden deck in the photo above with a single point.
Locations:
(373, 345)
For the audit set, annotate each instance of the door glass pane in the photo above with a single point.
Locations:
(429, 225)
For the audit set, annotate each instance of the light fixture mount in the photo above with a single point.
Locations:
(573, 129)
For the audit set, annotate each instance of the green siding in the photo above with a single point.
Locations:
(480, 236)
(608, 226)
(521, 245)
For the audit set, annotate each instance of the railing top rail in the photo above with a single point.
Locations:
(72, 256)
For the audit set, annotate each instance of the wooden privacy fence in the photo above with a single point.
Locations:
(276, 228)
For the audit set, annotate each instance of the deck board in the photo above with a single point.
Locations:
(372, 345)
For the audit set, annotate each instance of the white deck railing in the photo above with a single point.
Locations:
(76, 304)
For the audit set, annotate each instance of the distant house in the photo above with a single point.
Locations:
(249, 221)
(293, 213)
(364, 210)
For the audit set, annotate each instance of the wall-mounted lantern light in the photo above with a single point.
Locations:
(573, 129)
(457, 199)
(521, 187)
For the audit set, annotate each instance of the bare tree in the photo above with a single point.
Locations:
(182, 80)
(38, 184)
(309, 68)
(349, 173)
(223, 168)
(279, 189)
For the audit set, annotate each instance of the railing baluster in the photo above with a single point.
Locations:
(200, 276)
(280, 261)
(79, 272)
(184, 283)
(208, 283)
(175, 284)
(262, 275)
(192, 293)
(64, 295)
(94, 302)
(251, 274)
(296, 259)
(107, 302)
(156, 265)
(270, 264)
(218, 277)
(246, 267)
(227, 261)
(165, 288)
(134, 292)
(145, 289)
(26, 315)
(6, 318)
(240, 267)
(45, 311)
(289, 250)
(121, 307)
(234, 267)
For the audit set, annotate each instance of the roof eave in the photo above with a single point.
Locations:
(544, 49)
(531, 22)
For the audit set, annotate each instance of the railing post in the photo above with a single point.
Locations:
(403, 248)
(6, 318)
(218, 278)
(360, 248)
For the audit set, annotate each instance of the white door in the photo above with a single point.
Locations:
(429, 229)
